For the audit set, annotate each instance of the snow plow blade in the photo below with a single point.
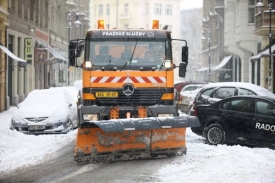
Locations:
(126, 139)
(119, 125)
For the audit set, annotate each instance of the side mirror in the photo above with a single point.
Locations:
(182, 69)
(72, 55)
(80, 49)
(184, 54)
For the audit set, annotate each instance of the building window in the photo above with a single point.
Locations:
(169, 28)
(19, 9)
(18, 64)
(251, 11)
(107, 9)
(126, 8)
(32, 8)
(12, 4)
(158, 9)
(146, 9)
(100, 9)
(168, 9)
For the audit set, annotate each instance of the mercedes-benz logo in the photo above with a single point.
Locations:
(128, 89)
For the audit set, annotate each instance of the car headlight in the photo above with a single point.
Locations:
(165, 115)
(90, 117)
(59, 116)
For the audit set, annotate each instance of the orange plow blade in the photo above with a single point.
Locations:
(108, 140)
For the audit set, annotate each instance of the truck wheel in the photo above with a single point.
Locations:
(215, 134)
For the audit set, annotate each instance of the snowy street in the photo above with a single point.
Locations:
(202, 163)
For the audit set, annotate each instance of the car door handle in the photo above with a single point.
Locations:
(257, 120)
(226, 115)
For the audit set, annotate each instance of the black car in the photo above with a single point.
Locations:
(247, 120)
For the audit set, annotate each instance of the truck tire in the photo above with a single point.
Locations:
(215, 134)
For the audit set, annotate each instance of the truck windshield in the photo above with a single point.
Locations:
(127, 54)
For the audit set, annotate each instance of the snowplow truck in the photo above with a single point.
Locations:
(126, 107)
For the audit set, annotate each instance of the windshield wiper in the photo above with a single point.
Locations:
(129, 61)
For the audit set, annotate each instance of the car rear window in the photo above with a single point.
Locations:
(243, 91)
(264, 108)
(225, 92)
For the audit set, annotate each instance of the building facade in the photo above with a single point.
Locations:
(38, 31)
(243, 54)
(217, 64)
(262, 61)
(3, 64)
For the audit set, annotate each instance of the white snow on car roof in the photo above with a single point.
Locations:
(43, 96)
(255, 88)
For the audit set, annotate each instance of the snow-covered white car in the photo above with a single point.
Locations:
(47, 111)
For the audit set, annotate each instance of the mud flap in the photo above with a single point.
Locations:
(120, 125)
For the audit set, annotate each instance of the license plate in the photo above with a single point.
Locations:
(106, 94)
(36, 127)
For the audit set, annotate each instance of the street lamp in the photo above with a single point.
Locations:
(208, 39)
(260, 6)
(77, 24)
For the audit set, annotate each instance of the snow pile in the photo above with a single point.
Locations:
(203, 163)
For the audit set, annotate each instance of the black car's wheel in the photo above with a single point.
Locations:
(215, 134)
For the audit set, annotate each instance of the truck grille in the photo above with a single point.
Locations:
(139, 97)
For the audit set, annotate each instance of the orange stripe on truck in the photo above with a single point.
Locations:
(118, 79)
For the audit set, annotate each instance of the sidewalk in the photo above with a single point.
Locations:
(5, 118)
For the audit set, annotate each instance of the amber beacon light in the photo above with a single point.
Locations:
(100, 24)
(155, 24)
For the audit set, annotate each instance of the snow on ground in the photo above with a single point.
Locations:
(203, 163)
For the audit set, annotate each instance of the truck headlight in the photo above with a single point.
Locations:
(167, 64)
(90, 117)
(88, 64)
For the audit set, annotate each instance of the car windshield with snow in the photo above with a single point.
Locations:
(248, 120)
(47, 111)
